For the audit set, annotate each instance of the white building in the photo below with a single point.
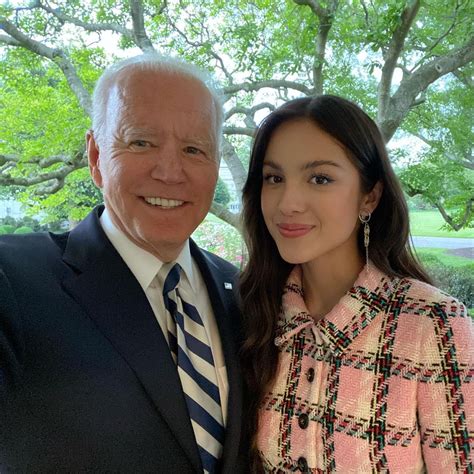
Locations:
(11, 208)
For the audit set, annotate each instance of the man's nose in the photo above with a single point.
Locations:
(292, 199)
(168, 164)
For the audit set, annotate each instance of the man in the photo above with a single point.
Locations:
(100, 369)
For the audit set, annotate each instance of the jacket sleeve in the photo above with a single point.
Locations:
(11, 342)
(445, 394)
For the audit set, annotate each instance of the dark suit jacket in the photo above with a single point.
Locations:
(87, 383)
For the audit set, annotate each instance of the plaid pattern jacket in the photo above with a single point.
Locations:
(381, 384)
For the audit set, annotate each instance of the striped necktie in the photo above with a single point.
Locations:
(190, 348)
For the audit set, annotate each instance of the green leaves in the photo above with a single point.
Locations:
(244, 42)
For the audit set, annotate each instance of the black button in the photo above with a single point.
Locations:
(303, 421)
(302, 464)
(310, 374)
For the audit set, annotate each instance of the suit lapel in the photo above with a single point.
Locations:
(228, 321)
(111, 296)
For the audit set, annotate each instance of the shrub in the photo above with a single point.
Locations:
(221, 194)
(457, 281)
(23, 230)
(7, 229)
(221, 239)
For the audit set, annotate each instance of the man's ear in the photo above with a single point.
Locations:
(93, 156)
(371, 200)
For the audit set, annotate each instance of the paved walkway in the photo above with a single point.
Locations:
(443, 242)
(461, 247)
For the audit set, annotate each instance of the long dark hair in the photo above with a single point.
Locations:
(266, 272)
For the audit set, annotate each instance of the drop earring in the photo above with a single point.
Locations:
(364, 219)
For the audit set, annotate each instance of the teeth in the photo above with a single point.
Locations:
(162, 202)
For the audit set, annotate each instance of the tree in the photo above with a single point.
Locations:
(392, 57)
(443, 173)
(222, 195)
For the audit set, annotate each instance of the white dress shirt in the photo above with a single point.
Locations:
(145, 267)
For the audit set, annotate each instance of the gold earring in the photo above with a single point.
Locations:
(364, 219)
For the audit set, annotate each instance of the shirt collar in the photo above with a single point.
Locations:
(141, 263)
(370, 295)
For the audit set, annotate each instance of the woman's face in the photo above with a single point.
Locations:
(311, 194)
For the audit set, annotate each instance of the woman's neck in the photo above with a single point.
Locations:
(327, 279)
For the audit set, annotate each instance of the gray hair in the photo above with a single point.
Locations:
(156, 63)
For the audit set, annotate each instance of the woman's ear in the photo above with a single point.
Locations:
(371, 199)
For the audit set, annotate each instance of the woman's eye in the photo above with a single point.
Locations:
(140, 144)
(320, 179)
(272, 179)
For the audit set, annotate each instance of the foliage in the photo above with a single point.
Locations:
(447, 257)
(221, 239)
(442, 182)
(221, 195)
(7, 229)
(408, 63)
(71, 203)
(458, 282)
(10, 225)
(23, 230)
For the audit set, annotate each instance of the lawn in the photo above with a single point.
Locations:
(428, 254)
(429, 223)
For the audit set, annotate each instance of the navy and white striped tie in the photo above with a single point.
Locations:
(196, 368)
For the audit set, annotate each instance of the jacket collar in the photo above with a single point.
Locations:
(370, 295)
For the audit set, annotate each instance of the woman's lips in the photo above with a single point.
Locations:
(294, 230)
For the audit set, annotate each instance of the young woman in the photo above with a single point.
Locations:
(355, 363)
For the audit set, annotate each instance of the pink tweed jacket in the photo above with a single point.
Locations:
(381, 384)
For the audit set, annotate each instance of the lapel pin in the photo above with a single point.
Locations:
(227, 285)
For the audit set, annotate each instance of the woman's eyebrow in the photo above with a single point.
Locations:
(306, 166)
(316, 163)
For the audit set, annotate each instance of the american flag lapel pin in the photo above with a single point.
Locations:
(227, 285)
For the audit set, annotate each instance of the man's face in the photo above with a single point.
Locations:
(156, 159)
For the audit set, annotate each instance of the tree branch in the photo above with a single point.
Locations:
(464, 78)
(53, 186)
(94, 27)
(270, 84)
(326, 18)
(198, 44)
(223, 213)
(248, 111)
(395, 48)
(59, 174)
(141, 38)
(429, 49)
(411, 87)
(233, 162)
(467, 161)
(314, 5)
(412, 191)
(58, 56)
(230, 130)
(46, 162)
(450, 220)
(9, 40)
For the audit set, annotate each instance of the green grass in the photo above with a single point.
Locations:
(429, 254)
(428, 224)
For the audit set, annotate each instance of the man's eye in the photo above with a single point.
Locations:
(140, 144)
(192, 150)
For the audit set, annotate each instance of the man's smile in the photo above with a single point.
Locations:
(163, 202)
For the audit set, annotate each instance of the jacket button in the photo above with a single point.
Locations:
(302, 464)
(310, 375)
(303, 421)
